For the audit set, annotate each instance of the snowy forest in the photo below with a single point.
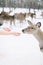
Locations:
(22, 3)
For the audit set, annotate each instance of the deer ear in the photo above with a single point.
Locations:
(38, 24)
(29, 22)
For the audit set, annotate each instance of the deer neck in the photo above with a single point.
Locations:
(39, 36)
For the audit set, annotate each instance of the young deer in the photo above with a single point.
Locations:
(36, 31)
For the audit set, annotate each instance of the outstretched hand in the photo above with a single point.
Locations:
(17, 33)
(7, 29)
(13, 33)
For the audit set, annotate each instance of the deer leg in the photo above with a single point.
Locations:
(14, 22)
(21, 23)
(11, 22)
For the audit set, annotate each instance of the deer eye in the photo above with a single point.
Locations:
(32, 28)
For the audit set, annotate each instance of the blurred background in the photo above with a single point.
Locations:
(38, 4)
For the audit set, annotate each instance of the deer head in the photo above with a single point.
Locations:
(33, 28)
(36, 31)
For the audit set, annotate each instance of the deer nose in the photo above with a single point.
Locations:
(22, 30)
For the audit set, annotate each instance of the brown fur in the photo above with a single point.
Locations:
(31, 15)
(36, 31)
(6, 16)
(20, 16)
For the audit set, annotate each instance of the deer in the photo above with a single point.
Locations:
(5, 16)
(35, 30)
(20, 16)
(9, 17)
(30, 14)
(3, 13)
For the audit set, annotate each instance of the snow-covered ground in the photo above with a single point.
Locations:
(20, 50)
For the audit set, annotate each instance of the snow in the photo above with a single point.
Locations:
(20, 50)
